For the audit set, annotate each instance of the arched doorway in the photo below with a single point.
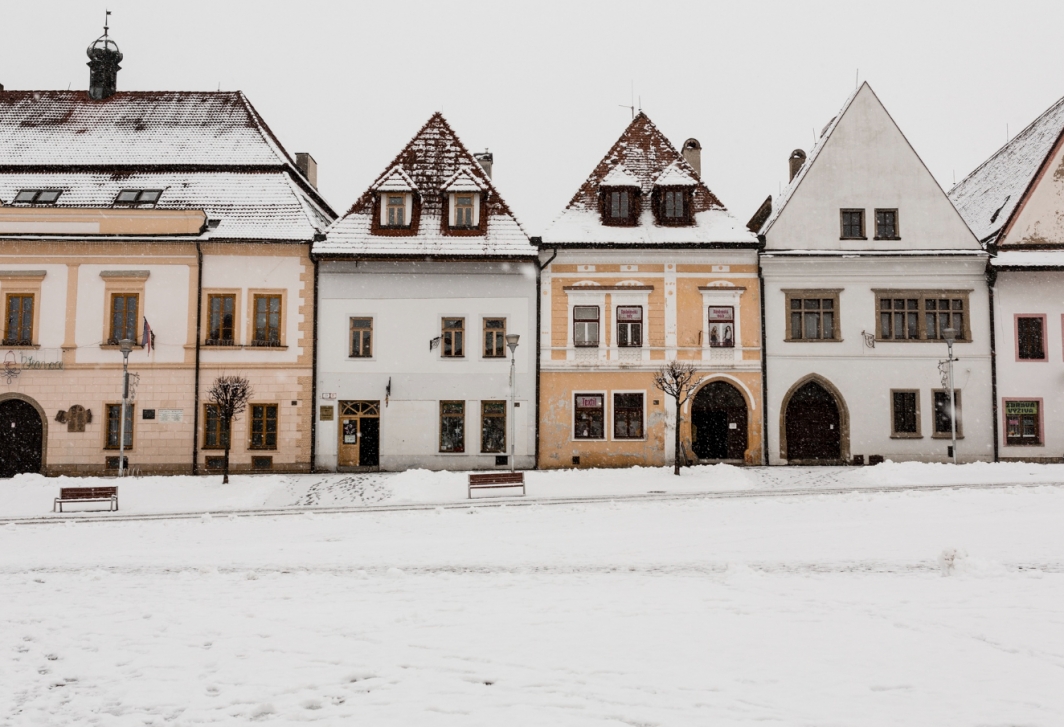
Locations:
(718, 422)
(813, 425)
(21, 438)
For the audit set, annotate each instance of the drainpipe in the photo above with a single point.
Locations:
(196, 383)
(318, 237)
(764, 357)
(537, 241)
(991, 279)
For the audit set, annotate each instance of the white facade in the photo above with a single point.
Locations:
(407, 301)
(882, 384)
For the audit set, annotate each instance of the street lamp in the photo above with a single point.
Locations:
(950, 335)
(126, 347)
(511, 343)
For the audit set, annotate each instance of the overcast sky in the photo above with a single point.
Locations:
(542, 83)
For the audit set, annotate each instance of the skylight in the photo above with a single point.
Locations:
(138, 196)
(37, 196)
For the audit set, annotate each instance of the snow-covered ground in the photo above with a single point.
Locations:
(822, 609)
(33, 495)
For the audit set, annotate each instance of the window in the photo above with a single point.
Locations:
(942, 413)
(905, 414)
(396, 210)
(674, 204)
(215, 435)
(19, 328)
(361, 337)
(494, 338)
(37, 196)
(114, 420)
(630, 325)
(1030, 338)
(138, 196)
(220, 312)
(123, 317)
(1023, 423)
(263, 426)
(887, 225)
(267, 320)
(453, 337)
(627, 416)
(463, 210)
(721, 326)
(452, 426)
(913, 315)
(814, 316)
(618, 204)
(586, 325)
(590, 416)
(492, 426)
(853, 225)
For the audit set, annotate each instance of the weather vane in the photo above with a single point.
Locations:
(106, 20)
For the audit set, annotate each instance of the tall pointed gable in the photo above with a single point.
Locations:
(643, 158)
(863, 161)
(1017, 195)
(432, 166)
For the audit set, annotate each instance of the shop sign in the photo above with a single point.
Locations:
(1019, 408)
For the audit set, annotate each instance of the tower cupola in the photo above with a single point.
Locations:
(104, 58)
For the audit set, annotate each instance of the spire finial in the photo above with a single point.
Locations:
(106, 21)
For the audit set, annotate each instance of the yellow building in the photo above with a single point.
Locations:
(646, 266)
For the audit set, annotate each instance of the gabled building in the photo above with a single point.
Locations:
(420, 285)
(1014, 203)
(172, 219)
(866, 264)
(647, 266)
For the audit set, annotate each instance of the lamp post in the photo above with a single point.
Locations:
(511, 343)
(126, 347)
(950, 335)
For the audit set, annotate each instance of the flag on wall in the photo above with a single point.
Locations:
(149, 337)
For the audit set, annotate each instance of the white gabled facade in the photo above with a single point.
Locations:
(429, 252)
(1014, 202)
(862, 230)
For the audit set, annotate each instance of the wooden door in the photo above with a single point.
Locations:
(359, 433)
(813, 425)
(21, 438)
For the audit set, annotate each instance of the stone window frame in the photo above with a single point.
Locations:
(505, 425)
(897, 223)
(1005, 422)
(1045, 338)
(803, 294)
(22, 283)
(894, 433)
(252, 296)
(960, 414)
(208, 293)
(605, 414)
(107, 425)
(252, 430)
(453, 329)
(842, 223)
(362, 338)
(440, 417)
(924, 294)
(123, 282)
(220, 444)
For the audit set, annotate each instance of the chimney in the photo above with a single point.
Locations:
(485, 158)
(307, 167)
(1, 87)
(104, 58)
(796, 162)
(692, 152)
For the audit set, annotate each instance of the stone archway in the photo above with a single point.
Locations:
(23, 433)
(814, 423)
(719, 422)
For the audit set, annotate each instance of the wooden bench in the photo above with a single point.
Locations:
(496, 480)
(87, 494)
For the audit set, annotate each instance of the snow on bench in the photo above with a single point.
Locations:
(87, 494)
(496, 480)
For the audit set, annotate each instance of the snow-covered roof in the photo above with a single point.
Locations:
(463, 181)
(265, 205)
(395, 180)
(433, 158)
(138, 128)
(988, 196)
(781, 200)
(675, 176)
(1028, 258)
(640, 158)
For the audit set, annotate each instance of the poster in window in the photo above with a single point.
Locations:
(722, 326)
(351, 431)
(630, 313)
(588, 402)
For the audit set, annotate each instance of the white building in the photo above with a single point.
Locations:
(865, 263)
(1014, 203)
(418, 287)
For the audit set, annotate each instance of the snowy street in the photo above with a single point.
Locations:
(806, 610)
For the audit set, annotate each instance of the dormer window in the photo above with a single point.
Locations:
(463, 210)
(37, 196)
(674, 206)
(135, 197)
(395, 210)
(619, 204)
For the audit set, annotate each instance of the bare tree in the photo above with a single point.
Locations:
(677, 380)
(229, 395)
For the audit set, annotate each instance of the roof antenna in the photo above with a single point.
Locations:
(106, 21)
(631, 106)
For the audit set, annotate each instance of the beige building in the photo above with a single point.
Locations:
(173, 219)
